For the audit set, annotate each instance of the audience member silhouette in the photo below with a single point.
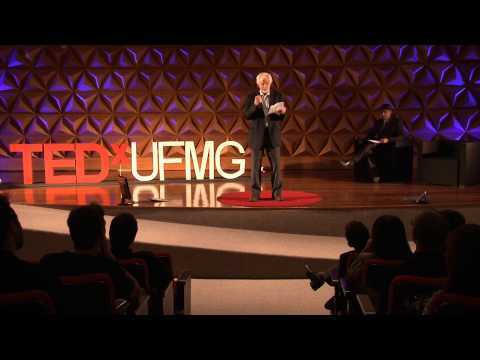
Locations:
(357, 235)
(388, 242)
(463, 257)
(92, 254)
(454, 218)
(123, 231)
(445, 246)
(430, 230)
(15, 274)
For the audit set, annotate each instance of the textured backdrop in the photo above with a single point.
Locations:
(114, 94)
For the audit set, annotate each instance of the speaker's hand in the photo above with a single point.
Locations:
(258, 100)
(282, 110)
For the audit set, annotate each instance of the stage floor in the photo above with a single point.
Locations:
(220, 241)
(336, 188)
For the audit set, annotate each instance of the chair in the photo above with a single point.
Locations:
(378, 274)
(32, 302)
(174, 300)
(341, 288)
(89, 294)
(378, 271)
(168, 300)
(347, 304)
(455, 304)
(394, 164)
(159, 303)
(366, 305)
(139, 270)
(182, 287)
(404, 288)
(165, 257)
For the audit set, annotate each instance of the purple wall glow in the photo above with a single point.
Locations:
(110, 95)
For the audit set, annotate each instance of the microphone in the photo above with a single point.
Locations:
(421, 199)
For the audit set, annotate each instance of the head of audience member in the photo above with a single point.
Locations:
(386, 111)
(430, 230)
(11, 232)
(87, 228)
(454, 219)
(389, 240)
(123, 230)
(357, 235)
(463, 259)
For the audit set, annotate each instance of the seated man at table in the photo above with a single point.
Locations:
(384, 134)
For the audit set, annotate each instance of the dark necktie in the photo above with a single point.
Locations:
(266, 106)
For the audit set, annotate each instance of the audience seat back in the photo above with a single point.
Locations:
(89, 294)
(379, 272)
(182, 293)
(165, 257)
(455, 304)
(138, 268)
(405, 287)
(33, 302)
(377, 275)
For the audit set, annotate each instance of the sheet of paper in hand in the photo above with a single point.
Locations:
(275, 107)
(375, 141)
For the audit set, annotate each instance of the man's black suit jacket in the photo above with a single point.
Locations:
(393, 130)
(257, 117)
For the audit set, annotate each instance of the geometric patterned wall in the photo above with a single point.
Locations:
(114, 94)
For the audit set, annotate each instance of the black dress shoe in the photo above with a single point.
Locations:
(253, 198)
(277, 198)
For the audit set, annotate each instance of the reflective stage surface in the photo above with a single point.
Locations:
(336, 188)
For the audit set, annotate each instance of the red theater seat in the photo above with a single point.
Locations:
(377, 271)
(89, 294)
(139, 270)
(378, 275)
(455, 304)
(33, 302)
(174, 300)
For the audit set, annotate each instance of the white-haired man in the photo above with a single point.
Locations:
(265, 109)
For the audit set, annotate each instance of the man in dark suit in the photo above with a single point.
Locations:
(265, 109)
(386, 132)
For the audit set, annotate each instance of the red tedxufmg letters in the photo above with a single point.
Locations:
(50, 163)
(211, 157)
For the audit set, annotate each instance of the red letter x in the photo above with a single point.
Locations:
(120, 156)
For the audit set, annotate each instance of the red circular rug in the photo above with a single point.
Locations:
(290, 199)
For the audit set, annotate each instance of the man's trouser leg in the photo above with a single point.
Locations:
(274, 157)
(255, 176)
